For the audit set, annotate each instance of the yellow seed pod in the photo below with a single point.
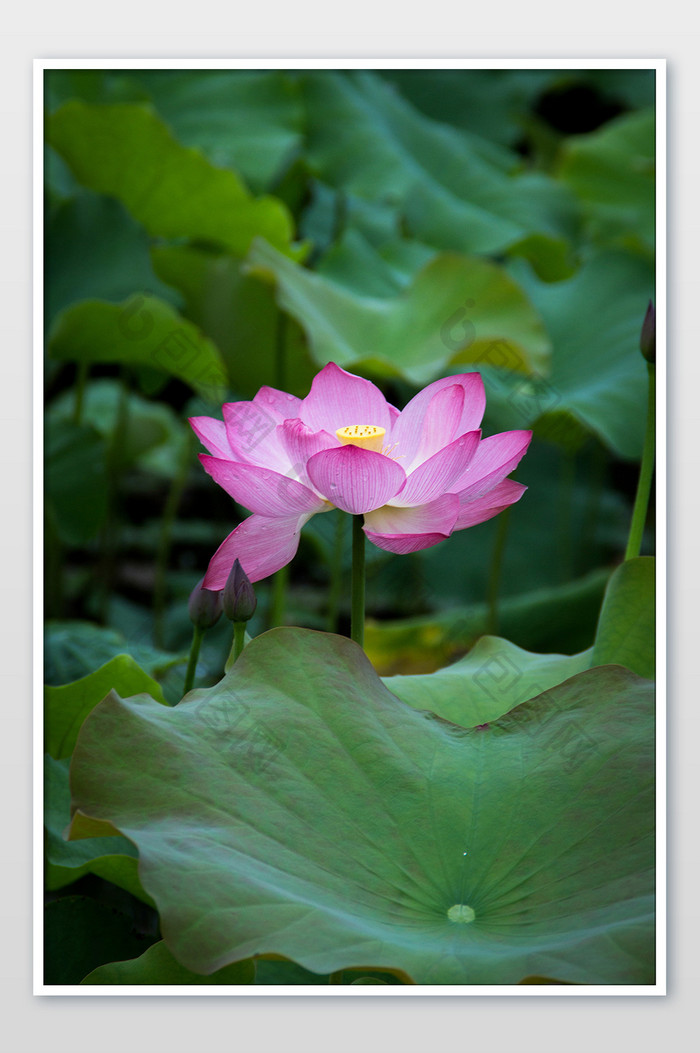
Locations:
(366, 436)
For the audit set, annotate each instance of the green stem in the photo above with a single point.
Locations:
(278, 600)
(194, 655)
(335, 589)
(566, 500)
(172, 504)
(336, 978)
(494, 584)
(641, 503)
(238, 640)
(281, 350)
(80, 382)
(357, 610)
(114, 465)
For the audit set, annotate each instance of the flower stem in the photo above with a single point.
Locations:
(357, 610)
(495, 571)
(80, 381)
(194, 655)
(641, 502)
(279, 596)
(238, 640)
(172, 503)
(336, 576)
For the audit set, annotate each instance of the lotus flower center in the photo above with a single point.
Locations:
(367, 436)
(461, 913)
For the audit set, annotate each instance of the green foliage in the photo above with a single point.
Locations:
(612, 171)
(157, 966)
(76, 484)
(81, 933)
(126, 151)
(320, 818)
(454, 190)
(626, 630)
(89, 228)
(141, 331)
(454, 311)
(597, 382)
(485, 684)
(66, 707)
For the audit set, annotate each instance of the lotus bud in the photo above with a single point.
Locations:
(205, 607)
(239, 597)
(647, 337)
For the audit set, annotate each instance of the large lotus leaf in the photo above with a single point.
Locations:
(75, 480)
(142, 331)
(125, 150)
(562, 617)
(598, 377)
(248, 120)
(485, 684)
(155, 436)
(73, 649)
(492, 103)
(626, 630)
(453, 312)
(300, 808)
(612, 171)
(113, 858)
(95, 250)
(157, 966)
(66, 707)
(454, 189)
(238, 312)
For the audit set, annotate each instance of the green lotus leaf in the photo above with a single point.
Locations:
(239, 314)
(612, 171)
(248, 120)
(456, 310)
(76, 481)
(561, 616)
(598, 379)
(485, 684)
(300, 808)
(627, 626)
(157, 966)
(142, 331)
(126, 151)
(455, 190)
(110, 857)
(66, 707)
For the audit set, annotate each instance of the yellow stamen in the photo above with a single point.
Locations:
(367, 436)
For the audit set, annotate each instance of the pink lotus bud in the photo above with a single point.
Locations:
(647, 337)
(205, 607)
(239, 597)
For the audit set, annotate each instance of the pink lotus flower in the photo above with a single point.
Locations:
(416, 475)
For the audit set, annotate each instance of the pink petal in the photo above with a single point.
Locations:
(264, 492)
(402, 544)
(252, 435)
(338, 399)
(438, 517)
(408, 429)
(279, 404)
(263, 544)
(480, 509)
(495, 458)
(212, 434)
(301, 443)
(355, 480)
(440, 423)
(437, 475)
